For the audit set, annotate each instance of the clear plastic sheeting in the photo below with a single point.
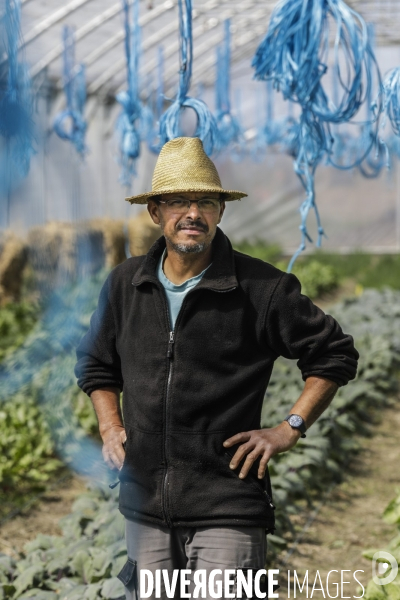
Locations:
(60, 187)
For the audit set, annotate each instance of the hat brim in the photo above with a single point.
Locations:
(228, 194)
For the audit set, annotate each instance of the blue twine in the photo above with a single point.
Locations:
(170, 128)
(229, 130)
(70, 124)
(153, 138)
(294, 56)
(295, 50)
(128, 123)
(16, 104)
(390, 97)
(238, 147)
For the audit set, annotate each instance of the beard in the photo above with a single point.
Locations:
(182, 248)
(188, 248)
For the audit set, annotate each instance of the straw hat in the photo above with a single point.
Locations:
(183, 166)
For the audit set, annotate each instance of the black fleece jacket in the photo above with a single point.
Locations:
(186, 392)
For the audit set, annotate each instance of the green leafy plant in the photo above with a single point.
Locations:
(16, 322)
(268, 252)
(42, 412)
(84, 561)
(390, 591)
(366, 270)
(316, 278)
(27, 457)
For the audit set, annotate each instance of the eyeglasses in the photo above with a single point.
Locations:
(181, 205)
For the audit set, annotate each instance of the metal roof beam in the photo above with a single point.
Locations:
(52, 19)
(94, 24)
(208, 44)
(44, 25)
(153, 40)
(120, 36)
(236, 43)
(246, 42)
(211, 42)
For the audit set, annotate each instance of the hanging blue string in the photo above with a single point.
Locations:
(272, 130)
(390, 96)
(70, 124)
(229, 130)
(146, 121)
(153, 138)
(170, 128)
(128, 123)
(295, 50)
(294, 55)
(16, 105)
(238, 147)
(366, 151)
(308, 145)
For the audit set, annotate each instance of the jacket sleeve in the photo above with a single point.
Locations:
(298, 329)
(99, 363)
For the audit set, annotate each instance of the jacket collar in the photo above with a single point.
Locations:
(221, 276)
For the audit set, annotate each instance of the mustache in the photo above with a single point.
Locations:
(191, 224)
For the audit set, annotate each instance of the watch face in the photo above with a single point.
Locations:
(295, 420)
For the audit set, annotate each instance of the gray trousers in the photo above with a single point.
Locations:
(154, 548)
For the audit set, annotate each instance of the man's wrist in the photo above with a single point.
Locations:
(294, 433)
(297, 422)
(103, 428)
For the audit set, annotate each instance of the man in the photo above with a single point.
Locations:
(190, 332)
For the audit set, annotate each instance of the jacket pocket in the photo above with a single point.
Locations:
(128, 575)
(261, 485)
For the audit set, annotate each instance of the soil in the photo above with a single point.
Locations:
(41, 517)
(347, 523)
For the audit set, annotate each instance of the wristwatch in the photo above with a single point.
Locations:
(297, 422)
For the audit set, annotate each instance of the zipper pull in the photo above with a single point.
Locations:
(272, 505)
(170, 353)
(113, 485)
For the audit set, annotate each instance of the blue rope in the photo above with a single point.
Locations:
(153, 138)
(238, 146)
(206, 129)
(128, 123)
(366, 152)
(294, 56)
(16, 104)
(70, 124)
(390, 96)
(229, 130)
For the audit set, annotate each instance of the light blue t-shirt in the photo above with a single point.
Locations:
(176, 293)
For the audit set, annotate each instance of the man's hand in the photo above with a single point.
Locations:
(113, 450)
(261, 443)
(316, 396)
(111, 428)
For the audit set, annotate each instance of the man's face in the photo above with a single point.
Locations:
(192, 230)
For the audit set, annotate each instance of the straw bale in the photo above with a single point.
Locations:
(60, 253)
(142, 233)
(114, 240)
(13, 258)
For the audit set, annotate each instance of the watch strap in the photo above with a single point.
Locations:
(301, 426)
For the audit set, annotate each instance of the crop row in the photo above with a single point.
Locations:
(390, 590)
(84, 561)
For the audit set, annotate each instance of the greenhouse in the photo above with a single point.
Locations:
(199, 239)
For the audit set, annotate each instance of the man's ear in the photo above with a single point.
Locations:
(152, 207)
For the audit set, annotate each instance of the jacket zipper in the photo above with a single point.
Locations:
(272, 505)
(170, 356)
